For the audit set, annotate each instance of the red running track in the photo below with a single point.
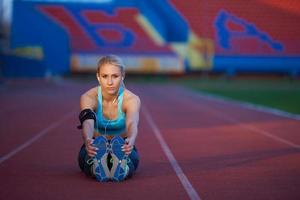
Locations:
(224, 151)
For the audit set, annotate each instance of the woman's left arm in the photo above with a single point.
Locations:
(132, 120)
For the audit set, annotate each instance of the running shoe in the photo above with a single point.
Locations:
(120, 168)
(100, 167)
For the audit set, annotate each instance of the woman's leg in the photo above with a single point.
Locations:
(83, 158)
(133, 162)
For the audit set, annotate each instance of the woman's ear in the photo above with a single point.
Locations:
(98, 77)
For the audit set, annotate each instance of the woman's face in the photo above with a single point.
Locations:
(110, 78)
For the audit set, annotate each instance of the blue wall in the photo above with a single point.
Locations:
(243, 42)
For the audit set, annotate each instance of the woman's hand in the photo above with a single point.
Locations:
(90, 149)
(127, 148)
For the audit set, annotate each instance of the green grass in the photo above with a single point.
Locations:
(280, 93)
(275, 93)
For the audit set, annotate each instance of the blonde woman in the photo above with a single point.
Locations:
(109, 120)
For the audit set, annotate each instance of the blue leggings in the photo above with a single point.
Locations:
(87, 168)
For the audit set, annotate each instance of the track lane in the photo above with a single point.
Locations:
(47, 169)
(222, 159)
(30, 107)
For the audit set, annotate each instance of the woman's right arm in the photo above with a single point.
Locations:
(89, 101)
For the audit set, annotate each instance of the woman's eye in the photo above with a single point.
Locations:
(104, 76)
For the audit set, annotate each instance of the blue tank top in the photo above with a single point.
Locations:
(111, 127)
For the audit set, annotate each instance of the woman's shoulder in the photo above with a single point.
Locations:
(130, 97)
(89, 99)
(92, 92)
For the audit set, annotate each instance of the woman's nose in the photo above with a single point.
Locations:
(110, 81)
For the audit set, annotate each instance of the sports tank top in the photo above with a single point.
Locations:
(107, 126)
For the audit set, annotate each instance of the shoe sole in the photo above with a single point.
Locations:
(101, 170)
(118, 171)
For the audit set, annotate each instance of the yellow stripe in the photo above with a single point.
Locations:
(150, 30)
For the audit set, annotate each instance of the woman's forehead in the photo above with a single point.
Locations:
(110, 68)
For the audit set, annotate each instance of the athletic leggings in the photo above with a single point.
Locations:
(87, 168)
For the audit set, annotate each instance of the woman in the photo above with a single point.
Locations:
(109, 120)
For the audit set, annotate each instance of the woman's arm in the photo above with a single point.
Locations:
(132, 119)
(89, 101)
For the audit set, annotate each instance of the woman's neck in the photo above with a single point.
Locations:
(109, 98)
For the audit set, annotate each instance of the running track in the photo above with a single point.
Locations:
(191, 147)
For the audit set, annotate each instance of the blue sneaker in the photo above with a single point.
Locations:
(100, 167)
(120, 168)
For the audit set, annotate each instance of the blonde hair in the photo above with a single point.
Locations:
(113, 60)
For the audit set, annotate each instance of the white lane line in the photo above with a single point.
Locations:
(257, 130)
(224, 117)
(250, 127)
(270, 135)
(36, 137)
(182, 177)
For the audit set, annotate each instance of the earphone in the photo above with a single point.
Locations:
(115, 99)
(109, 120)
